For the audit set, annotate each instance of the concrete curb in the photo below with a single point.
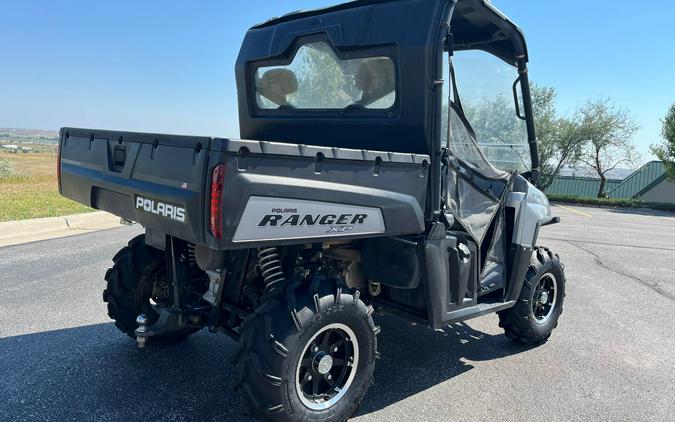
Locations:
(24, 231)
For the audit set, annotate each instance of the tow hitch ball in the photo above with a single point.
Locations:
(141, 332)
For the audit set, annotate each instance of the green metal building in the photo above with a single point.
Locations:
(579, 186)
(648, 183)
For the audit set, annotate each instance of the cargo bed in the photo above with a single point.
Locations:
(163, 182)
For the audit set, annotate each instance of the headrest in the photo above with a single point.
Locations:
(277, 84)
(376, 78)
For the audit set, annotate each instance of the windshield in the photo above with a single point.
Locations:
(485, 85)
(318, 79)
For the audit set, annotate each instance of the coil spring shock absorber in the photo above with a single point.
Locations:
(191, 254)
(270, 266)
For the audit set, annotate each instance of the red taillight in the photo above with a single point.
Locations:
(217, 181)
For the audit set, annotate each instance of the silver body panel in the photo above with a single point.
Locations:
(532, 208)
(267, 218)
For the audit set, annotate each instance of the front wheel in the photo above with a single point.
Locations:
(534, 316)
(308, 357)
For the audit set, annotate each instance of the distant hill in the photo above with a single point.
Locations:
(28, 136)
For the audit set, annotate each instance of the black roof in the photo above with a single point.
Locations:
(471, 21)
(297, 14)
(477, 24)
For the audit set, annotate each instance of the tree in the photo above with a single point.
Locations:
(560, 142)
(500, 133)
(608, 130)
(321, 77)
(666, 150)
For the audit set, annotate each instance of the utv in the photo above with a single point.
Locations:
(363, 181)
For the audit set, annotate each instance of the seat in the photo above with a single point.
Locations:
(277, 84)
(375, 78)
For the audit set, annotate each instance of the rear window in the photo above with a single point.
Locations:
(318, 79)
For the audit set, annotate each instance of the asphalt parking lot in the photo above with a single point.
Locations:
(611, 358)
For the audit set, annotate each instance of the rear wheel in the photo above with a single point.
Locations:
(532, 319)
(308, 357)
(137, 284)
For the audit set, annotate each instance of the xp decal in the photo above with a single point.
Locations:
(282, 218)
(173, 212)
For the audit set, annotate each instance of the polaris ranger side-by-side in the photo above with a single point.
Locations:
(388, 163)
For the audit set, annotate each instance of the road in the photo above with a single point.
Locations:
(611, 357)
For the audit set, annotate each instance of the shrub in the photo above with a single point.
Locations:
(6, 168)
(610, 202)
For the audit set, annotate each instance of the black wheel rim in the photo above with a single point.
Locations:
(544, 299)
(327, 367)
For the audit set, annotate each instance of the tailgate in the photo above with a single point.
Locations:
(282, 193)
(155, 180)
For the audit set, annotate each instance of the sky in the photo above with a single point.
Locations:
(168, 66)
